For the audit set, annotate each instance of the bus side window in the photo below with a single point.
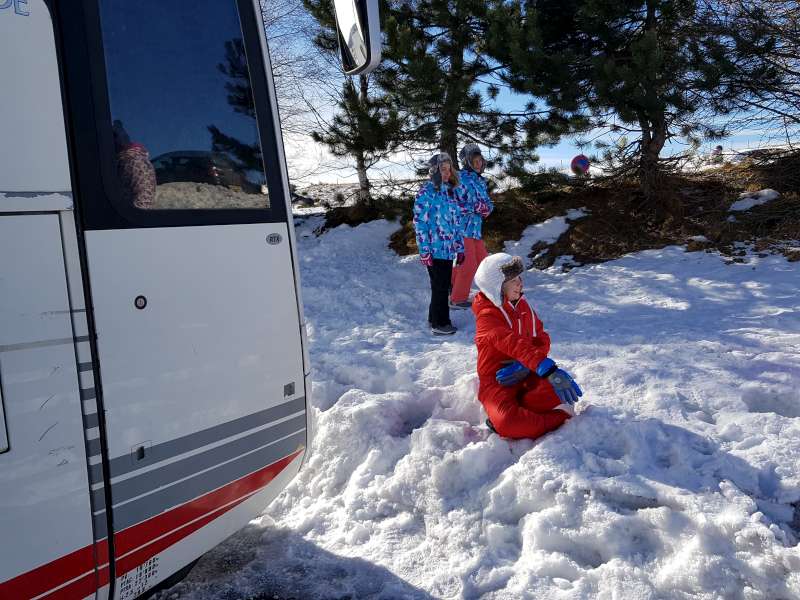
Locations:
(182, 108)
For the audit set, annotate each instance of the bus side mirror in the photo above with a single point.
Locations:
(358, 26)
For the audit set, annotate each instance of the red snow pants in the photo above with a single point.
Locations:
(474, 253)
(524, 410)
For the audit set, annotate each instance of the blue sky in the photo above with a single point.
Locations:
(560, 155)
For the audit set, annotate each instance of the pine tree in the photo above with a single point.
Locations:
(658, 66)
(438, 76)
(442, 78)
(768, 33)
(365, 126)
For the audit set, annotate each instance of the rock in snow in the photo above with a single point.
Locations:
(678, 479)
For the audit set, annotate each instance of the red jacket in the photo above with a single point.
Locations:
(502, 336)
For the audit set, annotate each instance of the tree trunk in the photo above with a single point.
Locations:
(448, 138)
(451, 109)
(363, 181)
(666, 205)
(654, 130)
(654, 136)
(361, 164)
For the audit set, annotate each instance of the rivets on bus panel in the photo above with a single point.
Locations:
(273, 239)
(140, 302)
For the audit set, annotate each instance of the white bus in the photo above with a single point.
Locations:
(153, 370)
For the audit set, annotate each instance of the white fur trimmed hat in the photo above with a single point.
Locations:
(494, 271)
(467, 152)
(436, 160)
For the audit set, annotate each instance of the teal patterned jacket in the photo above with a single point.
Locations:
(437, 220)
(476, 205)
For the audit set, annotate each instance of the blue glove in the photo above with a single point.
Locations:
(563, 384)
(512, 374)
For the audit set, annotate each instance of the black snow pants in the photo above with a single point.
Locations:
(440, 273)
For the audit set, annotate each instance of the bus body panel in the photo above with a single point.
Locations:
(204, 387)
(89, 404)
(44, 506)
(32, 114)
(281, 164)
(217, 337)
(149, 565)
(201, 364)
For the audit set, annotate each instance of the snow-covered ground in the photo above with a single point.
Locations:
(680, 477)
(548, 232)
(748, 200)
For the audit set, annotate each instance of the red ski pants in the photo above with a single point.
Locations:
(521, 411)
(474, 253)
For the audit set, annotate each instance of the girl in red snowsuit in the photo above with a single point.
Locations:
(508, 330)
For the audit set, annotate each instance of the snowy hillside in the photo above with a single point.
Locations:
(679, 478)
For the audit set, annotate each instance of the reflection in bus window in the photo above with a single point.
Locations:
(134, 169)
(182, 105)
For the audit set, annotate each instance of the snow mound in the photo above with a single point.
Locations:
(678, 479)
(546, 232)
(748, 200)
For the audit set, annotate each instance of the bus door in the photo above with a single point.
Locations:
(189, 256)
(48, 416)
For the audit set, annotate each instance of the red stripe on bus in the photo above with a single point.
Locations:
(44, 578)
(53, 574)
(103, 577)
(176, 523)
(225, 498)
(77, 590)
(145, 553)
(101, 551)
(140, 534)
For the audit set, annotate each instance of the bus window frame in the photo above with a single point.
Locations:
(99, 194)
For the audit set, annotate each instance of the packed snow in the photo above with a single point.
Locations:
(545, 232)
(679, 478)
(748, 200)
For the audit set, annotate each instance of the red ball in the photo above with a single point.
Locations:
(580, 164)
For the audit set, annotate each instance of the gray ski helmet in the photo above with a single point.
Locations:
(436, 160)
(466, 154)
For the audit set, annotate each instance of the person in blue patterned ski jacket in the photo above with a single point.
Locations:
(440, 239)
(475, 207)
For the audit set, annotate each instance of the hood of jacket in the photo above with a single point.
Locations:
(480, 302)
(493, 271)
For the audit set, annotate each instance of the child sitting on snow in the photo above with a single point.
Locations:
(523, 392)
